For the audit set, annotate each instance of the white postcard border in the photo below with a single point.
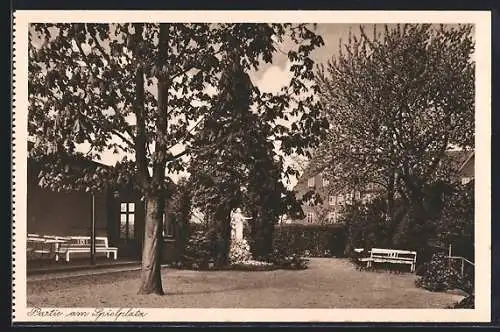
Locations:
(482, 20)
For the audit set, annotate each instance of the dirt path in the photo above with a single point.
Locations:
(328, 283)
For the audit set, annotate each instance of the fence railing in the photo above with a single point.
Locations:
(463, 263)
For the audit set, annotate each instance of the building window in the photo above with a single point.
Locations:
(127, 220)
(363, 199)
(332, 217)
(331, 199)
(310, 217)
(340, 199)
(348, 198)
(466, 180)
(310, 182)
(326, 182)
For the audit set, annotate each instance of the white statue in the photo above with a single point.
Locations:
(237, 223)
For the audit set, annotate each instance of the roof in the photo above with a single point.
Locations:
(460, 158)
(78, 159)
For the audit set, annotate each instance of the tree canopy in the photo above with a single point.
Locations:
(141, 90)
(396, 102)
(83, 89)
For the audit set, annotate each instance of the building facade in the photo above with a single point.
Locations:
(328, 210)
(118, 215)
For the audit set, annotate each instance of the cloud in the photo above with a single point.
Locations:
(274, 78)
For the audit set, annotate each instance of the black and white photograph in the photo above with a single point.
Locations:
(168, 164)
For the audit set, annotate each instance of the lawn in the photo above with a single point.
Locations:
(328, 283)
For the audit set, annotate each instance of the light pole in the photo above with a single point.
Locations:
(92, 228)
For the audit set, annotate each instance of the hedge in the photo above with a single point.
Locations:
(298, 239)
(310, 240)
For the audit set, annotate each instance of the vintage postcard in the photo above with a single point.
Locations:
(251, 166)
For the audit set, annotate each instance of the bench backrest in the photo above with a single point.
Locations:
(394, 253)
(84, 242)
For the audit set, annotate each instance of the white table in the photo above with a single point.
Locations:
(53, 245)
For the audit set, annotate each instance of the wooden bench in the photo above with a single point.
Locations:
(392, 256)
(81, 244)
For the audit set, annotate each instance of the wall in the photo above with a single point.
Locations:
(321, 212)
(57, 213)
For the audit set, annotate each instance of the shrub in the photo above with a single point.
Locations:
(199, 250)
(440, 275)
(283, 260)
(456, 223)
(466, 303)
(309, 240)
(366, 225)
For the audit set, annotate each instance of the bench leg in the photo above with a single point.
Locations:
(57, 257)
(107, 255)
(115, 255)
(67, 256)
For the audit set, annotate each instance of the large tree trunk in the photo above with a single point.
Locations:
(151, 278)
(253, 242)
(265, 247)
(262, 236)
(155, 203)
(222, 222)
(151, 254)
(411, 232)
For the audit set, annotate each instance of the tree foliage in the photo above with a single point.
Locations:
(82, 88)
(140, 90)
(455, 225)
(396, 101)
(366, 225)
(245, 170)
